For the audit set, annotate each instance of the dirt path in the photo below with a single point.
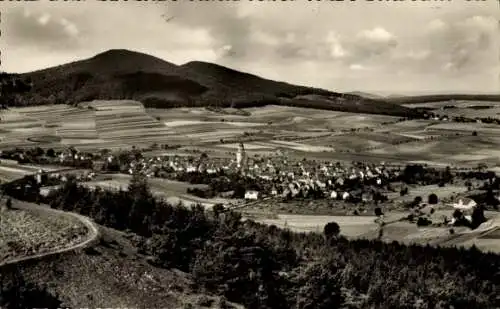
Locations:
(93, 232)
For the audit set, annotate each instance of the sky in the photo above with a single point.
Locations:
(385, 47)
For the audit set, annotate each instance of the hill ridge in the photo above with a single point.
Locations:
(118, 74)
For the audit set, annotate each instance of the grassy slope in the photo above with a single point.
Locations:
(123, 74)
(112, 274)
(28, 233)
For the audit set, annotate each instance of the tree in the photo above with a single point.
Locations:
(218, 209)
(320, 287)
(331, 229)
(432, 199)
(378, 212)
(8, 203)
(51, 153)
(477, 216)
(417, 200)
(138, 186)
(423, 221)
(457, 214)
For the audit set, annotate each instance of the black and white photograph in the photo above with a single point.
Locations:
(245, 154)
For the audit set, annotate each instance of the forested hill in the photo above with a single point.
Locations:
(124, 74)
(263, 267)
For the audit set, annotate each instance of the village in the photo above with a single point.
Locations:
(303, 186)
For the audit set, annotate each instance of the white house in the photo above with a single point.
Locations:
(345, 196)
(465, 204)
(333, 194)
(251, 195)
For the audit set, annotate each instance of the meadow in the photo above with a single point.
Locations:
(350, 226)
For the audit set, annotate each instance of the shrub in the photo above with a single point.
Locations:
(432, 199)
(423, 221)
(331, 229)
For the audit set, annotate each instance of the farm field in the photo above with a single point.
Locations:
(443, 193)
(350, 226)
(299, 131)
(360, 141)
(365, 227)
(173, 191)
(458, 127)
(24, 233)
(324, 207)
(274, 115)
(487, 112)
(456, 103)
(456, 150)
(9, 171)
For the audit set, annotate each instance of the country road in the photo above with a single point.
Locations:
(93, 232)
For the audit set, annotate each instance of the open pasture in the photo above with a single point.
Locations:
(183, 123)
(45, 139)
(350, 120)
(410, 233)
(9, 171)
(350, 226)
(443, 193)
(360, 141)
(121, 124)
(12, 172)
(452, 150)
(406, 126)
(299, 119)
(303, 147)
(102, 105)
(248, 146)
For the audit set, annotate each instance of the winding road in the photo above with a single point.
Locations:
(92, 235)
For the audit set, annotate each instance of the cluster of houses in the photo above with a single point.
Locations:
(287, 178)
(326, 180)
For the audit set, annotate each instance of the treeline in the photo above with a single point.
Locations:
(418, 174)
(266, 267)
(443, 97)
(357, 105)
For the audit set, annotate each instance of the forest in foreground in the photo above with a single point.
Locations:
(262, 266)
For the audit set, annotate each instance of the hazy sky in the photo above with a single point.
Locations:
(388, 46)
